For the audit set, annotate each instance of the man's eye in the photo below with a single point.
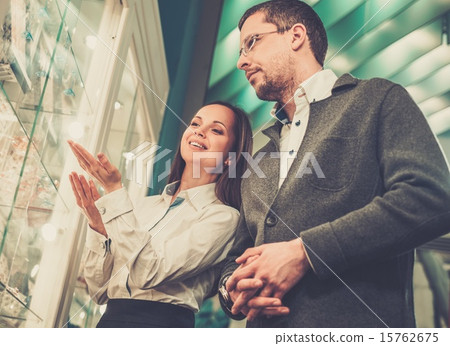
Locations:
(251, 42)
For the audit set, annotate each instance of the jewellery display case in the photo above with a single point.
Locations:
(64, 67)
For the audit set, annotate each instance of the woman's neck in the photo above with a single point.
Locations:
(188, 181)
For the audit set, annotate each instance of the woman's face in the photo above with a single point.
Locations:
(209, 137)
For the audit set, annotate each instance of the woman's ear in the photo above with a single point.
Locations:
(298, 36)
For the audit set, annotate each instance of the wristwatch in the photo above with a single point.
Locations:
(226, 302)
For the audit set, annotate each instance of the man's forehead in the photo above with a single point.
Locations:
(254, 24)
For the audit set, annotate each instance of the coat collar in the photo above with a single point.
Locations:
(346, 81)
(199, 196)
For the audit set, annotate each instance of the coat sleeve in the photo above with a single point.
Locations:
(242, 242)
(98, 266)
(414, 209)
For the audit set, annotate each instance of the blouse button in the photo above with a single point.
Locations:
(298, 123)
(102, 211)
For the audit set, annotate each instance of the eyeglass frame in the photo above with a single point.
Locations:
(245, 51)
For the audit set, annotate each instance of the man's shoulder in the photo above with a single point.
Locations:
(378, 83)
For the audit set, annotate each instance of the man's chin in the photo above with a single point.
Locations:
(265, 95)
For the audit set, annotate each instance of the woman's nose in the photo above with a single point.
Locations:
(198, 132)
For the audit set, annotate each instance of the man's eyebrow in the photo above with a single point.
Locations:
(248, 36)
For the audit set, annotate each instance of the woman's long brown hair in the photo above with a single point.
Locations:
(228, 188)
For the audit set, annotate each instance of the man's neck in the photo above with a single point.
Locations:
(288, 101)
(289, 109)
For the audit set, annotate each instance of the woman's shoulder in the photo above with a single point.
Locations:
(218, 207)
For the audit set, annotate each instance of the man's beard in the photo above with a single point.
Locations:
(275, 89)
(279, 85)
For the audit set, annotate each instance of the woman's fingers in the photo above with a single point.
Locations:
(87, 190)
(94, 192)
(88, 162)
(263, 302)
(264, 297)
(78, 154)
(99, 168)
(75, 191)
(79, 187)
(106, 163)
(276, 311)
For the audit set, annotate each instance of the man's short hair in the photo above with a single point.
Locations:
(285, 13)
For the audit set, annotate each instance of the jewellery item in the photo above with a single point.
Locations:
(226, 302)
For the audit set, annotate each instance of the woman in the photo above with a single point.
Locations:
(154, 262)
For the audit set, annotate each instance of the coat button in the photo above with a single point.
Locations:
(297, 123)
(102, 211)
(271, 220)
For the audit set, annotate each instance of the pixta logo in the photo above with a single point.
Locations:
(140, 161)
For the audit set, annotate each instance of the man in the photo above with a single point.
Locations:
(328, 238)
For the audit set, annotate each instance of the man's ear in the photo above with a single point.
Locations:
(298, 36)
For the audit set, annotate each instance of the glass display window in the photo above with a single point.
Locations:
(69, 69)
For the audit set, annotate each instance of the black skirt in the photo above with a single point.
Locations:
(134, 313)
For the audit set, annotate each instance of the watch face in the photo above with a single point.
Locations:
(223, 292)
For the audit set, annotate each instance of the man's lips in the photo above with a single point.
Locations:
(250, 74)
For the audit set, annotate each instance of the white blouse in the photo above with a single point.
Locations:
(157, 251)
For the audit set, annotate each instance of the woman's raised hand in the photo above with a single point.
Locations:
(100, 169)
(86, 194)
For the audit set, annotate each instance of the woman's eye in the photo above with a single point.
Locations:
(194, 124)
(220, 132)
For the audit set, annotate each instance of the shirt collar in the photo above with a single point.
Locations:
(199, 196)
(315, 88)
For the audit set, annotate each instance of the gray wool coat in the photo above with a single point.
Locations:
(386, 191)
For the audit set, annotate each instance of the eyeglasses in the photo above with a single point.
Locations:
(249, 42)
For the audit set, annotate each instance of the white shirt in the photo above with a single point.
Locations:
(161, 252)
(315, 88)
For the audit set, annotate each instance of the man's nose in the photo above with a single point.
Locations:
(242, 62)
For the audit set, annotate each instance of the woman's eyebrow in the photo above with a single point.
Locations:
(219, 122)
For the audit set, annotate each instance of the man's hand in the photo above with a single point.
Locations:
(246, 290)
(278, 265)
(100, 169)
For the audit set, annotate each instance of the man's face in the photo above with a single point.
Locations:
(268, 65)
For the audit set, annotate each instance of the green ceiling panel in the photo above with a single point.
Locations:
(423, 66)
(389, 32)
(247, 99)
(261, 116)
(361, 21)
(331, 11)
(435, 104)
(436, 84)
(225, 57)
(401, 53)
(231, 13)
(228, 87)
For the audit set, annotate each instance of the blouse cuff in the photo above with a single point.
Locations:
(114, 204)
(97, 243)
